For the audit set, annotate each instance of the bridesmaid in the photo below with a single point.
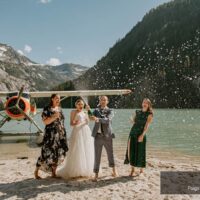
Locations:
(136, 150)
(54, 145)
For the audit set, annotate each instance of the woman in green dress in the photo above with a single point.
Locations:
(136, 150)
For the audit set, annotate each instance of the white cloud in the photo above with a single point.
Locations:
(27, 48)
(53, 61)
(20, 52)
(45, 1)
(59, 49)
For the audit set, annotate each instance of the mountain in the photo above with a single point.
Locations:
(17, 70)
(9, 55)
(70, 70)
(159, 58)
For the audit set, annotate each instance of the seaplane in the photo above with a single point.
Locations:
(20, 105)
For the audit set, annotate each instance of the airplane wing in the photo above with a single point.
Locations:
(3, 93)
(40, 94)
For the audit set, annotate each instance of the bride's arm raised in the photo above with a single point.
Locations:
(73, 122)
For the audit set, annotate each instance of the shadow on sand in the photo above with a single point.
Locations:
(30, 188)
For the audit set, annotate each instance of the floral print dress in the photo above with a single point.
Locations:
(54, 145)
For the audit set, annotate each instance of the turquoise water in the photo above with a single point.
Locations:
(171, 130)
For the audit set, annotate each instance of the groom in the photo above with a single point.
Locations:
(102, 133)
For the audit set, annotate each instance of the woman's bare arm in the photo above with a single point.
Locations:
(149, 120)
(72, 118)
(132, 119)
(49, 120)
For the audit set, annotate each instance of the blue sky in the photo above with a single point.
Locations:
(72, 31)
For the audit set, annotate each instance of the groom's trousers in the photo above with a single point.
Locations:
(99, 142)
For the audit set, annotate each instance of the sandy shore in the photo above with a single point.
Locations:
(17, 181)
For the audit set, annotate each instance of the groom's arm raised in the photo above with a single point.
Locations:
(107, 119)
(91, 115)
(96, 118)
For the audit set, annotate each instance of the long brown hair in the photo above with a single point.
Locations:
(51, 99)
(150, 107)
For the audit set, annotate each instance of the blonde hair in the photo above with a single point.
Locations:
(78, 101)
(150, 107)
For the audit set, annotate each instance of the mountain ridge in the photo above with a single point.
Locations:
(17, 70)
(159, 58)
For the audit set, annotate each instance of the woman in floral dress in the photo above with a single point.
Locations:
(54, 146)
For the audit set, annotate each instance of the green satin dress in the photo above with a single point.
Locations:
(137, 149)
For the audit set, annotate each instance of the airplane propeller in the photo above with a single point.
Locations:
(19, 95)
(17, 107)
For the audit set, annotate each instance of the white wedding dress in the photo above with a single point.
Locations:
(80, 157)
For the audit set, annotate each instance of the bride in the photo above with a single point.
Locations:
(80, 157)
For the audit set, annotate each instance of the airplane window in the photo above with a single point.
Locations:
(12, 94)
(26, 95)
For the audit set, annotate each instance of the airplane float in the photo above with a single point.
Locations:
(20, 105)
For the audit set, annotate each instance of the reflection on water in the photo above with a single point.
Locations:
(172, 130)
